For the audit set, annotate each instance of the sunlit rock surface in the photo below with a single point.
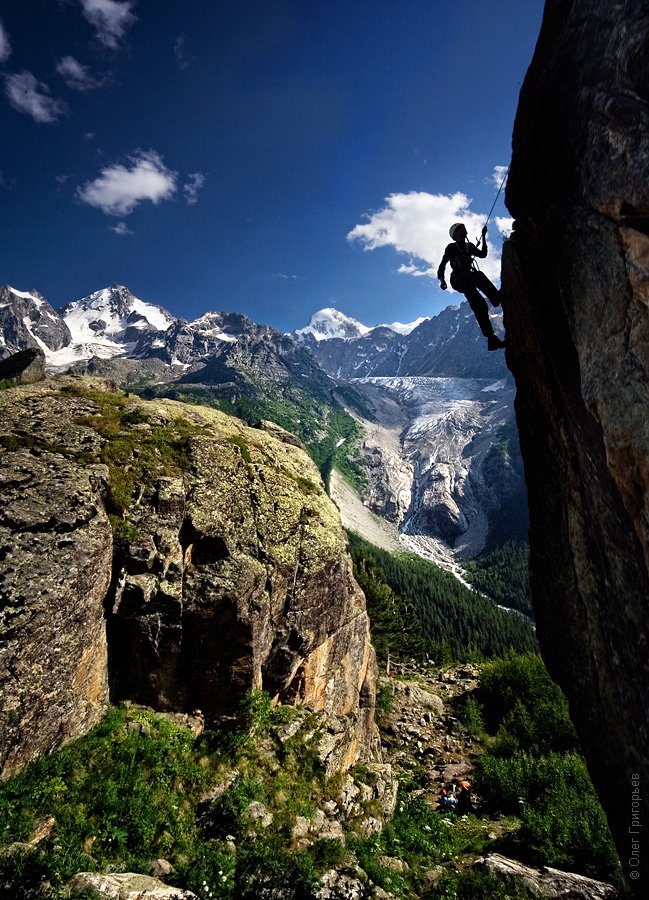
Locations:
(228, 574)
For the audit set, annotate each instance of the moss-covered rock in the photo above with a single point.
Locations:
(227, 570)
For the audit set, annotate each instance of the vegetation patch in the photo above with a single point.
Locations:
(534, 768)
(503, 574)
(417, 610)
(136, 451)
(138, 788)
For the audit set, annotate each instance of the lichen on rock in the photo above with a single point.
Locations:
(229, 571)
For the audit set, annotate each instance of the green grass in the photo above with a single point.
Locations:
(534, 769)
(137, 787)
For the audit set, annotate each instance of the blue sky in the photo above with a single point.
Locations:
(270, 157)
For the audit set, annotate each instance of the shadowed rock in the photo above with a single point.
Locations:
(576, 280)
(24, 367)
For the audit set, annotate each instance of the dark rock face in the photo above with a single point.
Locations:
(28, 321)
(24, 367)
(576, 279)
(229, 575)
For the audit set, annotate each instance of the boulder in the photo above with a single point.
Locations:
(127, 886)
(230, 572)
(24, 367)
(547, 882)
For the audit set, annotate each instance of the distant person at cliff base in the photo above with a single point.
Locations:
(467, 280)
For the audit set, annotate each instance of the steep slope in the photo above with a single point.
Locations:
(576, 282)
(443, 461)
(27, 321)
(178, 556)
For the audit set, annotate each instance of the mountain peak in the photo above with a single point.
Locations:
(330, 323)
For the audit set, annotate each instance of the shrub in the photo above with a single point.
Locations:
(519, 697)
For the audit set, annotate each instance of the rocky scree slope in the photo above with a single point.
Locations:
(169, 555)
(576, 284)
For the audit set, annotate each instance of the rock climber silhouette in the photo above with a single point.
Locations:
(466, 279)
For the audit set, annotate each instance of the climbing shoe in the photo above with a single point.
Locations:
(497, 301)
(494, 343)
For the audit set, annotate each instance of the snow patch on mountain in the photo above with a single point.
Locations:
(496, 386)
(211, 325)
(331, 323)
(404, 328)
(28, 295)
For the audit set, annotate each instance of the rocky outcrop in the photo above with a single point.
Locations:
(28, 321)
(576, 279)
(230, 571)
(547, 882)
(55, 552)
(24, 367)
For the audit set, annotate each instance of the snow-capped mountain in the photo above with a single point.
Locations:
(449, 344)
(329, 323)
(28, 321)
(111, 323)
(107, 323)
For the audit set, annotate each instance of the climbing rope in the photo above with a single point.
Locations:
(497, 195)
(491, 210)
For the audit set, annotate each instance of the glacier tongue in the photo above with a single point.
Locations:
(439, 466)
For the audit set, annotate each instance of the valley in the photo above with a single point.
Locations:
(417, 418)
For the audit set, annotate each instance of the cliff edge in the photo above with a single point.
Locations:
(170, 555)
(576, 280)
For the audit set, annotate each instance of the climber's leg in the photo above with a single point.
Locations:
(488, 289)
(480, 310)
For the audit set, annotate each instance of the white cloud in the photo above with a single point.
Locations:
(284, 276)
(109, 18)
(32, 97)
(417, 223)
(5, 46)
(193, 186)
(121, 229)
(505, 225)
(416, 272)
(76, 75)
(498, 175)
(119, 188)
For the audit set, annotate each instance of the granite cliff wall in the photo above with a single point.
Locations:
(170, 555)
(576, 279)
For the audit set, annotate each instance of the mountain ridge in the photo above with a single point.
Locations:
(426, 472)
